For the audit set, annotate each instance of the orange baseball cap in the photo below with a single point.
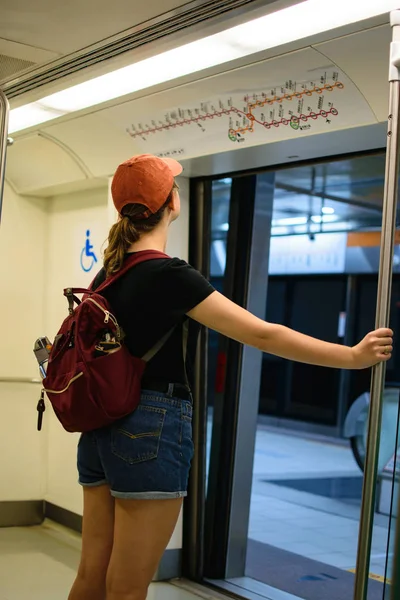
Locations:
(146, 180)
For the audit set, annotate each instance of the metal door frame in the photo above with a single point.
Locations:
(218, 508)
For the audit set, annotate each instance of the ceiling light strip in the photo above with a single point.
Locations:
(150, 31)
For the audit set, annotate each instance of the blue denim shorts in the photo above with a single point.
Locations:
(145, 455)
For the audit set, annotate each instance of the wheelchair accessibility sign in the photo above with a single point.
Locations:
(88, 257)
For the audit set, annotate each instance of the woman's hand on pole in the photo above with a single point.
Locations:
(376, 347)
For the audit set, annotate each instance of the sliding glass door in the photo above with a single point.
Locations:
(278, 473)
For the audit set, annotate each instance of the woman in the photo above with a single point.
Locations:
(134, 473)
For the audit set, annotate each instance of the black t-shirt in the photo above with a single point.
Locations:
(148, 301)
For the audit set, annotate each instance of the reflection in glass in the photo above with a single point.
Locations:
(221, 190)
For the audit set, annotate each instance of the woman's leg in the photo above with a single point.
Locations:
(97, 541)
(142, 530)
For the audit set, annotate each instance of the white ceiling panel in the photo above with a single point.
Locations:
(25, 52)
(64, 27)
(37, 162)
(364, 57)
(292, 96)
(191, 121)
(96, 141)
(16, 58)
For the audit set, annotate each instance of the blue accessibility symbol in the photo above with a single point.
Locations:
(88, 257)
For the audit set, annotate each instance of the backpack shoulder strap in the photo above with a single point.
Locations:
(131, 261)
(157, 347)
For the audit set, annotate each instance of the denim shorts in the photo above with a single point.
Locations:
(145, 455)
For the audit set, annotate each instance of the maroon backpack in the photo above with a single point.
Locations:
(92, 379)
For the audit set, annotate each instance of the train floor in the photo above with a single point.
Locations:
(39, 563)
(304, 521)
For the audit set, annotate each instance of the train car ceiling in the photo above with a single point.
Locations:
(305, 99)
(61, 40)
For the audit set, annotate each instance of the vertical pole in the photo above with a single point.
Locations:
(4, 113)
(382, 316)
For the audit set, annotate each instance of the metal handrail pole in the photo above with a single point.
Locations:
(382, 316)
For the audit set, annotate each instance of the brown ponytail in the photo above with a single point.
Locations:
(128, 230)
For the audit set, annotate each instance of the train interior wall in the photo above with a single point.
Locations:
(42, 240)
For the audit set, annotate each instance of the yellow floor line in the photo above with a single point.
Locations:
(375, 577)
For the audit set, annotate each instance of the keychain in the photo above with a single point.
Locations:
(41, 407)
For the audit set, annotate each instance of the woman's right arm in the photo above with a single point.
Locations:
(220, 314)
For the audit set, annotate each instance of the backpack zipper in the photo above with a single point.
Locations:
(71, 381)
(108, 315)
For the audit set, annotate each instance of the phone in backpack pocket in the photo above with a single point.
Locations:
(41, 350)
